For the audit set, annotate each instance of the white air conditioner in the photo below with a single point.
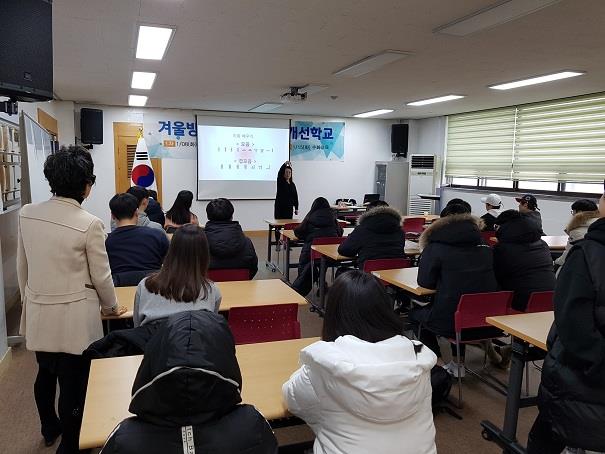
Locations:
(422, 180)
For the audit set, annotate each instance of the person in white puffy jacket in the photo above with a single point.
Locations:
(364, 388)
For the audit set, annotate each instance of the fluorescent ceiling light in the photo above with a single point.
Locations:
(266, 107)
(137, 100)
(373, 113)
(424, 102)
(371, 63)
(312, 88)
(153, 41)
(499, 13)
(537, 80)
(142, 80)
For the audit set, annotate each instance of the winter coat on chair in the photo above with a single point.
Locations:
(454, 261)
(360, 397)
(378, 235)
(522, 261)
(186, 395)
(576, 229)
(572, 392)
(229, 247)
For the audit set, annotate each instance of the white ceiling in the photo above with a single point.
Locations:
(235, 54)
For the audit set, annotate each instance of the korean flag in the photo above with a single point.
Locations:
(142, 171)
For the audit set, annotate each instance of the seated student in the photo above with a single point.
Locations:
(454, 261)
(378, 235)
(528, 206)
(142, 197)
(584, 212)
(571, 398)
(229, 247)
(182, 283)
(132, 248)
(319, 222)
(186, 396)
(154, 209)
(493, 205)
(456, 206)
(180, 212)
(522, 261)
(464, 203)
(364, 387)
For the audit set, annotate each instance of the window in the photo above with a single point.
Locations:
(590, 188)
(507, 184)
(538, 185)
(464, 181)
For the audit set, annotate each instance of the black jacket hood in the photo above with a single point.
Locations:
(324, 217)
(596, 231)
(457, 229)
(519, 230)
(225, 238)
(381, 220)
(189, 374)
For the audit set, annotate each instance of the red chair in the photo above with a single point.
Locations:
(489, 236)
(386, 264)
(537, 302)
(291, 226)
(343, 224)
(255, 324)
(316, 255)
(472, 311)
(232, 274)
(413, 227)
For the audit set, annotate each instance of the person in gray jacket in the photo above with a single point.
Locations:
(142, 196)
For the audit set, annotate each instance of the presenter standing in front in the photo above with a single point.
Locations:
(286, 198)
(64, 277)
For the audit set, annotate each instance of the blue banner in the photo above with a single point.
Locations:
(317, 141)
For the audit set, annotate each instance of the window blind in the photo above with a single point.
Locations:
(480, 144)
(561, 140)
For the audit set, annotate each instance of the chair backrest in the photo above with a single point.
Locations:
(264, 323)
(324, 240)
(413, 225)
(130, 278)
(488, 236)
(229, 274)
(343, 224)
(351, 201)
(291, 226)
(386, 264)
(367, 198)
(475, 307)
(540, 302)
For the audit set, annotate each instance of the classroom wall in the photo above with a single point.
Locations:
(366, 141)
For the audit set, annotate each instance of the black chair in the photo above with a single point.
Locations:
(367, 198)
(350, 201)
(130, 278)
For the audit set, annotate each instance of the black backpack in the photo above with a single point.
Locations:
(441, 382)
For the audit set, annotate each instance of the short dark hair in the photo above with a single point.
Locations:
(139, 192)
(455, 208)
(69, 171)
(377, 203)
(584, 205)
(220, 209)
(462, 202)
(123, 206)
(358, 305)
(184, 273)
(506, 216)
(153, 194)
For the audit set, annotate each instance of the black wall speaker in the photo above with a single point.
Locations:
(399, 139)
(26, 49)
(91, 126)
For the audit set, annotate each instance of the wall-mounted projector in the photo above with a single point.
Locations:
(293, 96)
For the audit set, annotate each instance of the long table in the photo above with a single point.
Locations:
(404, 278)
(262, 292)
(529, 333)
(276, 224)
(265, 367)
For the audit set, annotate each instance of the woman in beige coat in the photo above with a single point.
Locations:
(64, 277)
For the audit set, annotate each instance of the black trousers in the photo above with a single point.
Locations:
(71, 372)
(542, 439)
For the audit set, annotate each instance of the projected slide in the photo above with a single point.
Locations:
(239, 158)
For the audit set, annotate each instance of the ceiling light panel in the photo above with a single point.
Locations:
(313, 88)
(373, 113)
(424, 102)
(266, 107)
(153, 41)
(537, 80)
(497, 14)
(371, 63)
(137, 100)
(142, 80)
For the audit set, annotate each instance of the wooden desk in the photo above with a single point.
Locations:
(527, 330)
(262, 292)
(289, 234)
(428, 218)
(556, 243)
(404, 278)
(265, 368)
(352, 208)
(276, 224)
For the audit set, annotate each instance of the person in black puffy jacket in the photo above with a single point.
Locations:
(522, 261)
(186, 395)
(571, 398)
(319, 222)
(378, 235)
(229, 247)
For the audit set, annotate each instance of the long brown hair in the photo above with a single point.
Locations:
(183, 276)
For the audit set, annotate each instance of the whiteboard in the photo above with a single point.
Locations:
(36, 147)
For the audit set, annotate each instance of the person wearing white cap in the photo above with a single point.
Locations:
(493, 205)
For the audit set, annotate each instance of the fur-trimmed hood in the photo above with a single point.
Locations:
(456, 229)
(583, 219)
(381, 220)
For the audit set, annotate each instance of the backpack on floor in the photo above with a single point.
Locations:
(441, 382)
